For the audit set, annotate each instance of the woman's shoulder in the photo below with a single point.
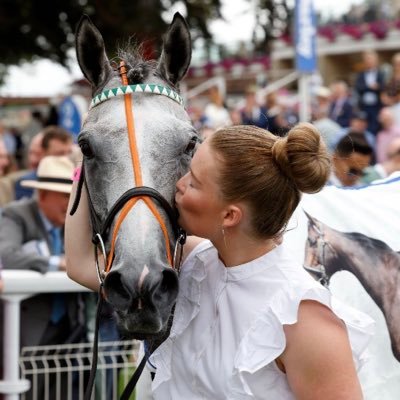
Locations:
(193, 246)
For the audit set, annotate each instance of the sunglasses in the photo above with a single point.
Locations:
(355, 172)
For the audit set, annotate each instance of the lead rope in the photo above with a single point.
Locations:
(92, 376)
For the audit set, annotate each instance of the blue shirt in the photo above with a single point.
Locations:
(54, 261)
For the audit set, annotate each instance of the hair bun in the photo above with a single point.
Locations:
(307, 158)
(280, 156)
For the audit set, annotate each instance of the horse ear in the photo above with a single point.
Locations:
(312, 220)
(177, 51)
(91, 54)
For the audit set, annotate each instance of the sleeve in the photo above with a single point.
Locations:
(265, 340)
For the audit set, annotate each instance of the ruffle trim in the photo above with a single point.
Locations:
(192, 274)
(255, 352)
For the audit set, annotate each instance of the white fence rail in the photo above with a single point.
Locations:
(66, 368)
(50, 361)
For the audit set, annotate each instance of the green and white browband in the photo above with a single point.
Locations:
(139, 88)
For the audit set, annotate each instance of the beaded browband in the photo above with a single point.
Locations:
(139, 88)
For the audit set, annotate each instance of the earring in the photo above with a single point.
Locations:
(223, 235)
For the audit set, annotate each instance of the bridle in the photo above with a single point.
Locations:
(101, 229)
(124, 204)
(321, 244)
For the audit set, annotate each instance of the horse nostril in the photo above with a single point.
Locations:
(164, 293)
(169, 281)
(116, 292)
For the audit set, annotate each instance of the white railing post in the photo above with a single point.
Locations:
(218, 81)
(11, 385)
(304, 98)
(17, 286)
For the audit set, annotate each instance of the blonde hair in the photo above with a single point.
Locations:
(269, 173)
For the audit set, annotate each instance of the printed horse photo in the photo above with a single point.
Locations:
(372, 261)
(137, 141)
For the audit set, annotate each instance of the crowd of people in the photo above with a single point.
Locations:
(359, 122)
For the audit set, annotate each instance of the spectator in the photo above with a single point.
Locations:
(215, 113)
(54, 141)
(328, 128)
(395, 100)
(4, 160)
(8, 182)
(359, 124)
(389, 132)
(31, 238)
(322, 100)
(236, 116)
(387, 167)
(19, 147)
(9, 140)
(252, 113)
(277, 115)
(368, 87)
(392, 88)
(35, 151)
(36, 124)
(351, 156)
(341, 107)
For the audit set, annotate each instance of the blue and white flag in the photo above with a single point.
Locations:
(305, 34)
(70, 113)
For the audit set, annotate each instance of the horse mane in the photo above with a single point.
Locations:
(139, 69)
(369, 244)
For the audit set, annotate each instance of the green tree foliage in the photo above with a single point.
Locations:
(274, 18)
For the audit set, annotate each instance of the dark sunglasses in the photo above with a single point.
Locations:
(355, 172)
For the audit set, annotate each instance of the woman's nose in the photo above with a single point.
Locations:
(180, 185)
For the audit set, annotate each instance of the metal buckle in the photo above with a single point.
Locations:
(101, 275)
(177, 259)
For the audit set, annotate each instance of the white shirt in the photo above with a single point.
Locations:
(227, 328)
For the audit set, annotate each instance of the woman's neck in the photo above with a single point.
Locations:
(236, 249)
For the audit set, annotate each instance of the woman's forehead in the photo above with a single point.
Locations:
(203, 161)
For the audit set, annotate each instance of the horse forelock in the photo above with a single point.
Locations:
(139, 69)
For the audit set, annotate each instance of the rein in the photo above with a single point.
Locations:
(121, 208)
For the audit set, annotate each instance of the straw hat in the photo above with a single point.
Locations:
(323, 91)
(54, 173)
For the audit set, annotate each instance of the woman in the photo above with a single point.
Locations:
(249, 323)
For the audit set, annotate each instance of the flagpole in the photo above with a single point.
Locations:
(304, 98)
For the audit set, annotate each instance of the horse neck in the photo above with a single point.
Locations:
(347, 254)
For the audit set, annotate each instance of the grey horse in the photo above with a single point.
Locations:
(141, 286)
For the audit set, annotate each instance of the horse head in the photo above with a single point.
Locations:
(149, 157)
(316, 253)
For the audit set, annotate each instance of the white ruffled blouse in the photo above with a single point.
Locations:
(227, 329)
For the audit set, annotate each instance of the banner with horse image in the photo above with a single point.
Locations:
(351, 239)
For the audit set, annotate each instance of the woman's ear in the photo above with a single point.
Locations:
(233, 214)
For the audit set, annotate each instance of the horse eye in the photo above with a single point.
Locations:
(191, 146)
(86, 149)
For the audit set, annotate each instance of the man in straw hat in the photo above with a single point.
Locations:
(31, 238)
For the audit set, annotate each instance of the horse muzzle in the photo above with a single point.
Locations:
(143, 303)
